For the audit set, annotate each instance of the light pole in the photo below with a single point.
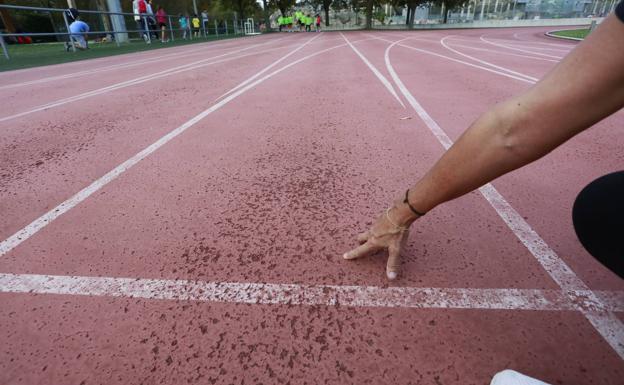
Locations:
(195, 7)
(119, 24)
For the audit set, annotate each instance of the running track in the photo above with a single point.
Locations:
(179, 215)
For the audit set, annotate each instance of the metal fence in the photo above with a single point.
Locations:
(430, 13)
(496, 10)
(112, 27)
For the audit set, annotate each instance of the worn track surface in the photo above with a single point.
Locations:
(155, 230)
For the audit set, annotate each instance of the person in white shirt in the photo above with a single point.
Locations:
(204, 16)
(139, 8)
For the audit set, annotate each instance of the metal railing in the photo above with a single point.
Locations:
(119, 33)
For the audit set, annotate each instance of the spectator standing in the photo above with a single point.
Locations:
(151, 21)
(161, 19)
(139, 8)
(318, 22)
(204, 16)
(184, 26)
(196, 25)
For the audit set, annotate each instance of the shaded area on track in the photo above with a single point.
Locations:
(69, 339)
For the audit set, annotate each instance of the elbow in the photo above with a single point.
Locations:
(512, 124)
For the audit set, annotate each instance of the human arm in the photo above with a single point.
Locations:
(587, 86)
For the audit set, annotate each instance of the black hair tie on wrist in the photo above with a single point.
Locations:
(410, 206)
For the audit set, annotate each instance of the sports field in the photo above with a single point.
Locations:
(182, 221)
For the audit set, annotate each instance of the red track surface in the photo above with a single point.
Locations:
(272, 188)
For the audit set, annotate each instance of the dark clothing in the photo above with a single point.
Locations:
(598, 217)
(619, 11)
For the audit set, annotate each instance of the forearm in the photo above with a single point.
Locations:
(491, 147)
(583, 89)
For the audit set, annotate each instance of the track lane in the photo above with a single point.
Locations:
(16, 77)
(198, 341)
(577, 165)
(246, 170)
(45, 160)
(45, 96)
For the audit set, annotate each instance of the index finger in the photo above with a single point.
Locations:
(362, 251)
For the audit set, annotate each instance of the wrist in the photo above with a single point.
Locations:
(402, 214)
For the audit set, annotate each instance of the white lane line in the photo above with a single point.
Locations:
(465, 39)
(149, 60)
(142, 79)
(532, 43)
(267, 68)
(179, 51)
(607, 324)
(294, 294)
(499, 52)
(443, 42)
(379, 75)
(556, 51)
(39, 223)
(513, 44)
(505, 74)
(612, 299)
(519, 49)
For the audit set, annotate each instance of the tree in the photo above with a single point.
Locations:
(242, 7)
(370, 4)
(356, 6)
(449, 5)
(282, 5)
(7, 20)
(411, 9)
(325, 5)
(265, 12)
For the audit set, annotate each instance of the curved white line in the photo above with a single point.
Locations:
(606, 323)
(505, 53)
(567, 46)
(379, 75)
(518, 49)
(442, 41)
(522, 79)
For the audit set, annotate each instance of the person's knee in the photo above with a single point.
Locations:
(598, 217)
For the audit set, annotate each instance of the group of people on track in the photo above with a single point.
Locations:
(299, 21)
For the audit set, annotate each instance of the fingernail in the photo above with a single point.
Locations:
(345, 255)
(391, 275)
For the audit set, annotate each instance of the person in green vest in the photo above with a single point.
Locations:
(308, 23)
(299, 20)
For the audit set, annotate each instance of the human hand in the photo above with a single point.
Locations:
(384, 234)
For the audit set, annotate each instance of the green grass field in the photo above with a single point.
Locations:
(34, 55)
(577, 33)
